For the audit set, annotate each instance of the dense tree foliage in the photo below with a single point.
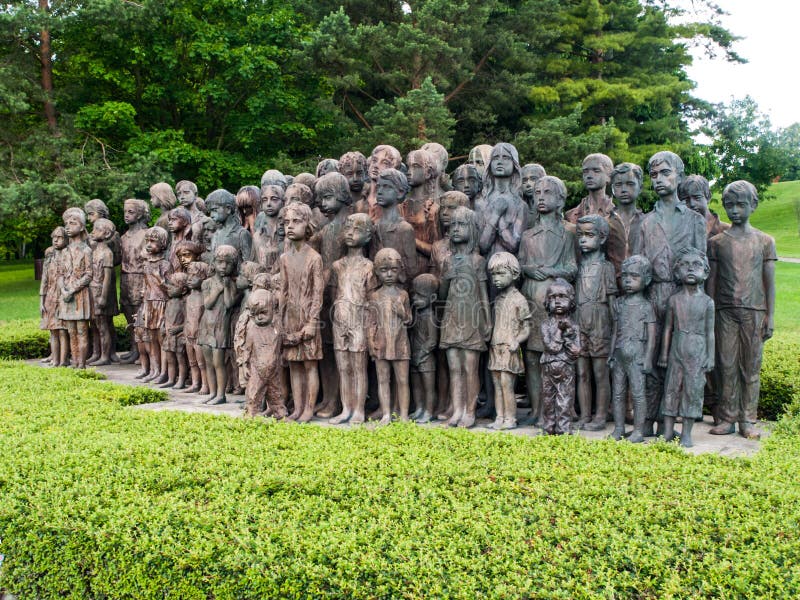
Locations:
(99, 98)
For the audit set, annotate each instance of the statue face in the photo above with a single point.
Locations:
(176, 223)
(208, 233)
(223, 266)
(459, 231)
(185, 258)
(356, 234)
(502, 277)
(92, 215)
(528, 182)
(594, 176)
(626, 188)
(271, 201)
(547, 198)
(59, 241)
(467, 181)
(220, 213)
(263, 316)
(502, 164)
(194, 282)
(476, 158)
(382, 160)
(632, 281)
(73, 226)
(389, 272)
(558, 301)
(356, 174)
(589, 238)
(295, 226)
(386, 193)
(153, 246)
(691, 270)
(446, 209)
(664, 178)
(98, 235)
(330, 203)
(417, 174)
(697, 201)
(294, 195)
(738, 209)
(186, 197)
(420, 299)
(131, 214)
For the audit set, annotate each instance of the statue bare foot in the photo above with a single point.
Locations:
(343, 417)
(425, 417)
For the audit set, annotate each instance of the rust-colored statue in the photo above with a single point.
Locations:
(687, 347)
(179, 225)
(466, 323)
(298, 192)
(391, 230)
(174, 345)
(442, 158)
(531, 173)
(353, 165)
(131, 281)
(424, 344)
(562, 347)
(383, 157)
(302, 285)
(421, 206)
(742, 285)
(104, 289)
(695, 192)
(248, 199)
(352, 281)
(596, 288)
(633, 346)
(163, 198)
(49, 297)
(154, 302)
(389, 315)
(626, 185)
(75, 275)
(198, 272)
(512, 323)
(267, 238)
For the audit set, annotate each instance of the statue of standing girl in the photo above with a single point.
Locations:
(75, 275)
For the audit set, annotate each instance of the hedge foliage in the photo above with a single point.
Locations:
(780, 374)
(98, 501)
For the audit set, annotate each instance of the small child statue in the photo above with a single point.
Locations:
(633, 345)
(131, 280)
(421, 207)
(424, 344)
(626, 185)
(391, 230)
(742, 285)
(466, 322)
(512, 326)
(353, 165)
(261, 357)
(154, 301)
(695, 192)
(97, 209)
(302, 286)
(382, 157)
(75, 275)
(389, 315)
(531, 173)
(49, 294)
(179, 224)
(562, 347)
(248, 199)
(596, 287)
(197, 272)
(174, 345)
(248, 271)
(267, 243)
(687, 347)
(505, 216)
(468, 181)
(352, 281)
(103, 288)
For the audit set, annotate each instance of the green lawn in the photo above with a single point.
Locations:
(18, 290)
(778, 215)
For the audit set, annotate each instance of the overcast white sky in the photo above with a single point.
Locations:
(771, 31)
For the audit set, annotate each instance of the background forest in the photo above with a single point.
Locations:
(101, 98)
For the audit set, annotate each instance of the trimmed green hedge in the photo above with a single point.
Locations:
(780, 375)
(22, 339)
(98, 501)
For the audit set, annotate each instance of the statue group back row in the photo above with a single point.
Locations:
(311, 276)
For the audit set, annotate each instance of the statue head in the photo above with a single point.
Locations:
(95, 209)
(135, 211)
(383, 157)
(596, 171)
(479, 156)
(273, 177)
(503, 163)
(186, 192)
(327, 165)
(423, 168)
(353, 165)
(221, 206)
(468, 180)
(162, 196)
(626, 182)
(333, 193)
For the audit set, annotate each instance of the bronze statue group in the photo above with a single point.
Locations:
(383, 284)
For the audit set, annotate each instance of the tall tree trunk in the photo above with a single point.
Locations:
(47, 72)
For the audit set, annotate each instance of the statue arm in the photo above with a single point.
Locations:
(769, 293)
(666, 336)
(710, 341)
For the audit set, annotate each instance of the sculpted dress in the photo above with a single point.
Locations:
(302, 287)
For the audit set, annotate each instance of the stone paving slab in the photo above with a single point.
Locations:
(724, 445)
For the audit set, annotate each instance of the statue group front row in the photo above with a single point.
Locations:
(221, 323)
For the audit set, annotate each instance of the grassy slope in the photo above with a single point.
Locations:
(96, 501)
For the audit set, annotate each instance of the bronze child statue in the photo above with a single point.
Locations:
(174, 344)
(391, 230)
(562, 346)
(104, 289)
(596, 287)
(389, 315)
(512, 324)
(154, 302)
(531, 173)
(424, 343)
(75, 275)
(198, 272)
(468, 181)
(131, 280)
(49, 296)
(633, 346)
(742, 285)
(626, 186)
(687, 347)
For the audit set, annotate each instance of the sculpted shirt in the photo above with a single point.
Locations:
(739, 263)
(617, 242)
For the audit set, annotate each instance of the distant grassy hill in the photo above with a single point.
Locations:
(778, 215)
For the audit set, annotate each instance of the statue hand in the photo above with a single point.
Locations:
(767, 329)
(611, 362)
(539, 275)
(662, 362)
(513, 346)
(308, 332)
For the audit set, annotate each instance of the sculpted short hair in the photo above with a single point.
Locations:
(199, 268)
(536, 169)
(188, 247)
(458, 198)
(326, 165)
(352, 160)
(305, 193)
(337, 183)
(228, 253)
(665, 156)
(259, 300)
(425, 284)
(142, 207)
(687, 253)
(694, 182)
(185, 183)
(505, 260)
(178, 279)
(98, 206)
(605, 162)
(741, 188)
(560, 284)
(561, 189)
(105, 226)
(394, 152)
(74, 213)
(387, 256)
(398, 179)
(306, 179)
(162, 192)
(627, 167)
(600, 224)
(221, 197)
(363, 220)
(181, 213)
(639, 264)
(429, 162)
(158, 234)
(274, 177)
